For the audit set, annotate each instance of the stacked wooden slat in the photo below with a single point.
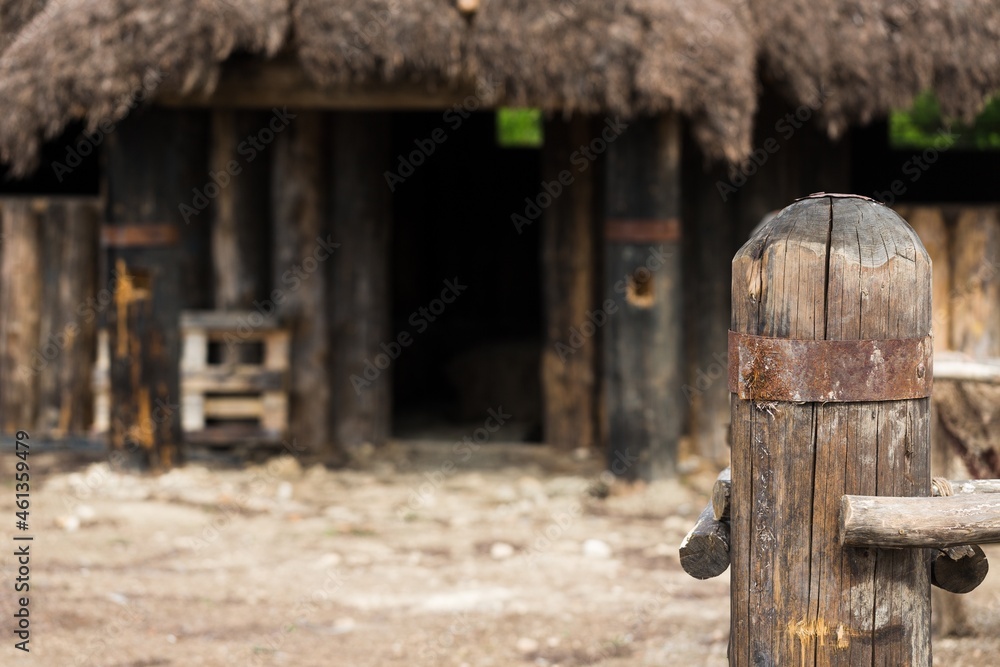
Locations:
(222, 403)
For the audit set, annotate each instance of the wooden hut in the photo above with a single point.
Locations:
(243, 143)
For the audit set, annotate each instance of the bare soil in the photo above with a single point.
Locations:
(516, 556)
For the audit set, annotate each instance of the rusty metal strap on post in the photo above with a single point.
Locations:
(642, 230)
(835, 371)
(139, 235)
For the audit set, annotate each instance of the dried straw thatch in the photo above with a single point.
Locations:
(68, 59)
(871, 57)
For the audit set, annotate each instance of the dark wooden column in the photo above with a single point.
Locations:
(156, 161)
(642, 273)
(711, 242)
(358, 298)
(21, 260)
(298, 193)
(68, 315)
(240, 214)
(569, 270)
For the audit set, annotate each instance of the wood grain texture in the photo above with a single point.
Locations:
(959, 569)
(300, 216)
(721, 491)
(240, 217)
(836, 269)
(704, 553)
(67, 341)
(643, 365)
(150, 172)
(569, 265)
(358, 300)
(920, 522)
(21, 261)
(721, 495)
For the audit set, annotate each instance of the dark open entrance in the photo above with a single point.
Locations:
(453, 240)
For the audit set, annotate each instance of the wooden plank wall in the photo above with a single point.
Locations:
(51, 304)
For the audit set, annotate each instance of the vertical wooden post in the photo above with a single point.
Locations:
(642, 273)
(569, 383)
(67, 338)
(156, 161)
(835, 269)
(358, 298)
(966, 320)
(298, 183)
(21, 259)
(711, 243)
(240, 216)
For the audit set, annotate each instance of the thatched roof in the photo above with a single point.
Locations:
(66, 59)
(874, 56)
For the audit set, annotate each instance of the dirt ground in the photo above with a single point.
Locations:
(513, 557)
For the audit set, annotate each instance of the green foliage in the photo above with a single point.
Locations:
(922, 124)
(519, 128)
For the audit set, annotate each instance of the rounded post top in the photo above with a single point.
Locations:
(835, 267)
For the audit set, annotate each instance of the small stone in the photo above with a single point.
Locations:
(501, 551)
(596, 549)
(284, 491)
(527, 645)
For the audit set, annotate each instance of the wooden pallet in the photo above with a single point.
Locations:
(221, 403)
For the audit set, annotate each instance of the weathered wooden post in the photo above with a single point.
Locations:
(830, 370)
(643, 358)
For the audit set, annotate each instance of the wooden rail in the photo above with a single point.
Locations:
(885, 521)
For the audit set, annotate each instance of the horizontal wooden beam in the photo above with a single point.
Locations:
(242, 323)
(704, 552)
(239, 378)
(721, 491)
(259, 84)
(721, 495)
(957, 366)
(959, 569)
(890, 522)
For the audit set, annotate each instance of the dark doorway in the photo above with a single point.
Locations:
(67, 165)
(453, 240)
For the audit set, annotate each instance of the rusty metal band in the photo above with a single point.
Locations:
(641, 230)
(139, 235)
(835, 371)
